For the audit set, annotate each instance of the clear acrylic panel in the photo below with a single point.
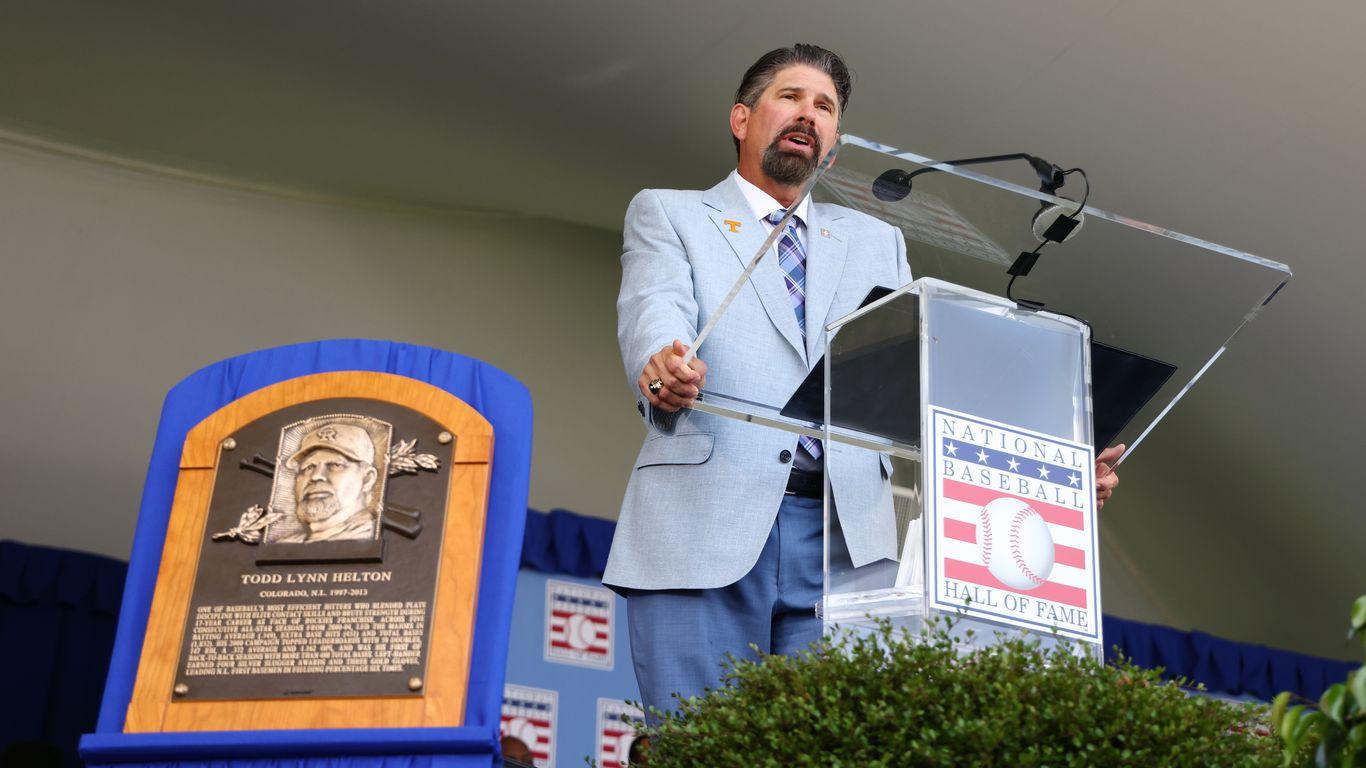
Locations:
(1157, 294)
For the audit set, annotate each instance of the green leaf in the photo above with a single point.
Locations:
(1287, 725)
(1312, 721)
(1333, 703)
(1356, 685)
(1356, 738)
(1278, 706)
(1358, 616)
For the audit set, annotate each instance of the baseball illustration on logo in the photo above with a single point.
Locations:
(1015, 543)
(582, 633)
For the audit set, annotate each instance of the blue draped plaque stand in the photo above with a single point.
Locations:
(499, 398)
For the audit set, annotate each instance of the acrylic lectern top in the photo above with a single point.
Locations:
(1147, 293)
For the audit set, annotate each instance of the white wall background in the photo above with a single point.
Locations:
(115, 284)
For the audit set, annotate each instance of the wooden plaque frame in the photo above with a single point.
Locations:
(153, 709)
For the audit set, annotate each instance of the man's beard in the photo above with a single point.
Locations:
(786, 167)
(314, 511)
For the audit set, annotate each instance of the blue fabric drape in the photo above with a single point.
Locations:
(58, 611)
(563, 542)
(1223, 666)
(348, 748)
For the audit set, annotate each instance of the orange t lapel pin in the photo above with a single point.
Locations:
(825, 233)
(733, 225)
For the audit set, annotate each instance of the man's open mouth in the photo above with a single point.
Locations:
(797, 142)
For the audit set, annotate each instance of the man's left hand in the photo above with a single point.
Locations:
(1106, 477)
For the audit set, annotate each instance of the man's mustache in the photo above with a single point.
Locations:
(804, 130)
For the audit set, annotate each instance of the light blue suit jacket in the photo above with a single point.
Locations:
(705, 489)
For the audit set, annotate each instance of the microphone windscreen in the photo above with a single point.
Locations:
(893, 185)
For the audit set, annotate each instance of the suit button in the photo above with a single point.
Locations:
(785, 456)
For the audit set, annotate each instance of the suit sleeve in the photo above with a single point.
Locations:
(903, 267)
(657, 303)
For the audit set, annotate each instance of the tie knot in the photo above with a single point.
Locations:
(777, 216)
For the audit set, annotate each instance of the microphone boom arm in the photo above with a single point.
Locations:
(895, 184)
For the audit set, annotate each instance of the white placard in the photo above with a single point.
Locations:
(1013, 515)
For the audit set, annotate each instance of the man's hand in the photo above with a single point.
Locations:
(1106, 477)
(682, 383)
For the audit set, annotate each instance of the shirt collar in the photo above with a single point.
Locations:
(761, 204)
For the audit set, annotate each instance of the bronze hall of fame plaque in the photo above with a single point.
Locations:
(318, 570)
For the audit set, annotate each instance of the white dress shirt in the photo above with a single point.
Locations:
(761, 205)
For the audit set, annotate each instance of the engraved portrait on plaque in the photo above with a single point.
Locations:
(320, 581)
(329, 481)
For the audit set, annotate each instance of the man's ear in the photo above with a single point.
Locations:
(739, 121)
(371, 476)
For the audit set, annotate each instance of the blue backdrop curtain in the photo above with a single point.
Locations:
(58, 612)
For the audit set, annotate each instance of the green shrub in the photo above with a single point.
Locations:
(885, 701)
(1333, 733)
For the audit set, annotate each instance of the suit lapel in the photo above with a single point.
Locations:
(745, 234)
(826, 249)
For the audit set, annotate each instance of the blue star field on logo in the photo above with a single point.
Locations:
(1015, 464)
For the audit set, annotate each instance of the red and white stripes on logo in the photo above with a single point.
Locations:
(616, 732)
(577, 631)
(963, 519)
(528, 715)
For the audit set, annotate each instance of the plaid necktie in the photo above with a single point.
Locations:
(792, 260)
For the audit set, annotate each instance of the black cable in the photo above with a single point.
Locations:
(1086, 195)
(1011, 284)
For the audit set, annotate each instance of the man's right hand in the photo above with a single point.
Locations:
(682, 382)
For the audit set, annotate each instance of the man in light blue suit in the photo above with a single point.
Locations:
(719, 540)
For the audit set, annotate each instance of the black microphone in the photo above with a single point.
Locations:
(894, 184)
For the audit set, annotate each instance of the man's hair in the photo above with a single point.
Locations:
(760, 76)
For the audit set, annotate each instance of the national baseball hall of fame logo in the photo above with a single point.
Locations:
(1014, 517)
(616, 732)
(529, 715)
(579, 624)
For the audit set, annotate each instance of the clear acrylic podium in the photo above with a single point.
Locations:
(980, 404)
(986, 407)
